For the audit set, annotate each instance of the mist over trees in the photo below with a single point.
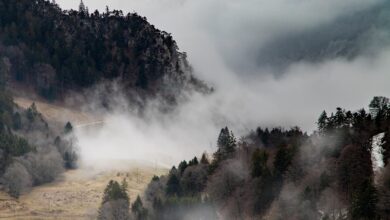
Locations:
(115, 204)
(270, 173)
(32, 151)
(284, 174)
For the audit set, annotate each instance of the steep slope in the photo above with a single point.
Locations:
(337, 172)
(56, 50)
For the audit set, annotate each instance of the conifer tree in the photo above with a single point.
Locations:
(82, 8)
(226, 145)
(68, 128)
(204, 159)
(322, 121)
(115, 204)
(139, 212)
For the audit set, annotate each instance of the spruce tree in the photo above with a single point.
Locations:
(82, 8)
(226, 145)
(115, 204)
(139, 212)
(204, 159)
(68, 128)
(322, 121)
(173, 186)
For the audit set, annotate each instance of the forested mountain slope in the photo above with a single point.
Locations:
(284, 174)
(56, 51)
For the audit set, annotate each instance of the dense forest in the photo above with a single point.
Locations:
(269, 173)
(55, 51)
(276, 174)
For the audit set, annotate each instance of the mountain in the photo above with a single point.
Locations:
(339, 172)
(56, 51)
(346, 36)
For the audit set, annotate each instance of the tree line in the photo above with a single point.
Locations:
(278, 173)
(58, 50)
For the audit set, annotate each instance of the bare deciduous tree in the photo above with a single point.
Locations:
(17, 179)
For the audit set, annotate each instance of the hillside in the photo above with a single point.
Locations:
(48, 189)
(33, 150)
(75, 195)
(96, 108)
(56, 51)
(339, 172)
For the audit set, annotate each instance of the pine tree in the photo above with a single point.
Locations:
(182, 166)
(114, 191)
(139, 212)
(259, 163)
(173, 185)
(82, 8)
(339, 117)
(193, 162)
(226, 145)
(107, 11)
(115, 204)
(204, 159)
(68, 128)
(322, 121)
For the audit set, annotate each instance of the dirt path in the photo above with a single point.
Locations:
(77, 195)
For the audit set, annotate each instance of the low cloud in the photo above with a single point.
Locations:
(222, 39)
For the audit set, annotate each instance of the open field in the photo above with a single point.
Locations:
(57, 113)
(76, 195)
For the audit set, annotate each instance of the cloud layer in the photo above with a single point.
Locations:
(223, 39)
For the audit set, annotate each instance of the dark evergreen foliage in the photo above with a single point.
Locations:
(173, 185)
(115, 204)
(332, 163)
(27, 155)
(57, 50)
(226, 144)
(114, 191)
(138, 210)
(68, 128)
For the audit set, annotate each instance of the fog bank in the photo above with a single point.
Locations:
(223, 39)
